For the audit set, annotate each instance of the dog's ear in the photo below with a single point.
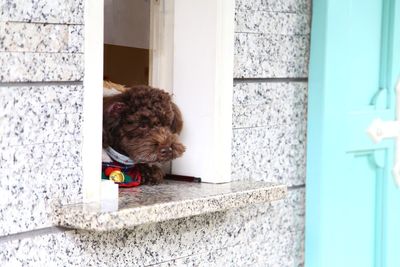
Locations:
(177, 122)
(113, 108)
(116, 108)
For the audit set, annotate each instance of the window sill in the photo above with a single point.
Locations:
(170, 200)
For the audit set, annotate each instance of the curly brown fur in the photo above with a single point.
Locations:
(143, 123)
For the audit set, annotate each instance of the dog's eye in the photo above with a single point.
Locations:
(144, 123)
(130, 122)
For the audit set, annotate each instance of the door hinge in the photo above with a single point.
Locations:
(379, 130)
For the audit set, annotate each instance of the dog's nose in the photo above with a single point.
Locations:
(166, 152)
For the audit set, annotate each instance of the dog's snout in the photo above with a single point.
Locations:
(166, 152)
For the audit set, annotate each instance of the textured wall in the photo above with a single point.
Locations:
(263, 235)
(40, 138)
(40, 143)
(270, 99)
(272, 38)
(269, 131)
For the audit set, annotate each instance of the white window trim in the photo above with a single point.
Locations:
(202, 82)
(92, 100)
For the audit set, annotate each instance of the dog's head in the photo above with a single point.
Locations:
(144, 124)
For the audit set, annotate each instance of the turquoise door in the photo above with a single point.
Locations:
(353, 203)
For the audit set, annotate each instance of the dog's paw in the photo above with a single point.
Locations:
(153, 174)
(157, 175)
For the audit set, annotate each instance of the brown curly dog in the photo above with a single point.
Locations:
(143, 123)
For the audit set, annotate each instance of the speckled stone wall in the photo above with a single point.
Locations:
(270, 98)
(270, 91)
(269, 131)
(41, 72)
(272, 38)
(260, 235)
(41, 95)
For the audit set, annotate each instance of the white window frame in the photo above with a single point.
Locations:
(201, 54)
(92, 100)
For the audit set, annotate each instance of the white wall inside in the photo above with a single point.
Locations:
(203, 85)
(162, 44)
(127, 23)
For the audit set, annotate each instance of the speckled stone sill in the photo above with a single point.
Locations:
(170, 200)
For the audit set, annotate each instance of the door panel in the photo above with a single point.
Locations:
(363, 213)
(364, 51)
(353, 205)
